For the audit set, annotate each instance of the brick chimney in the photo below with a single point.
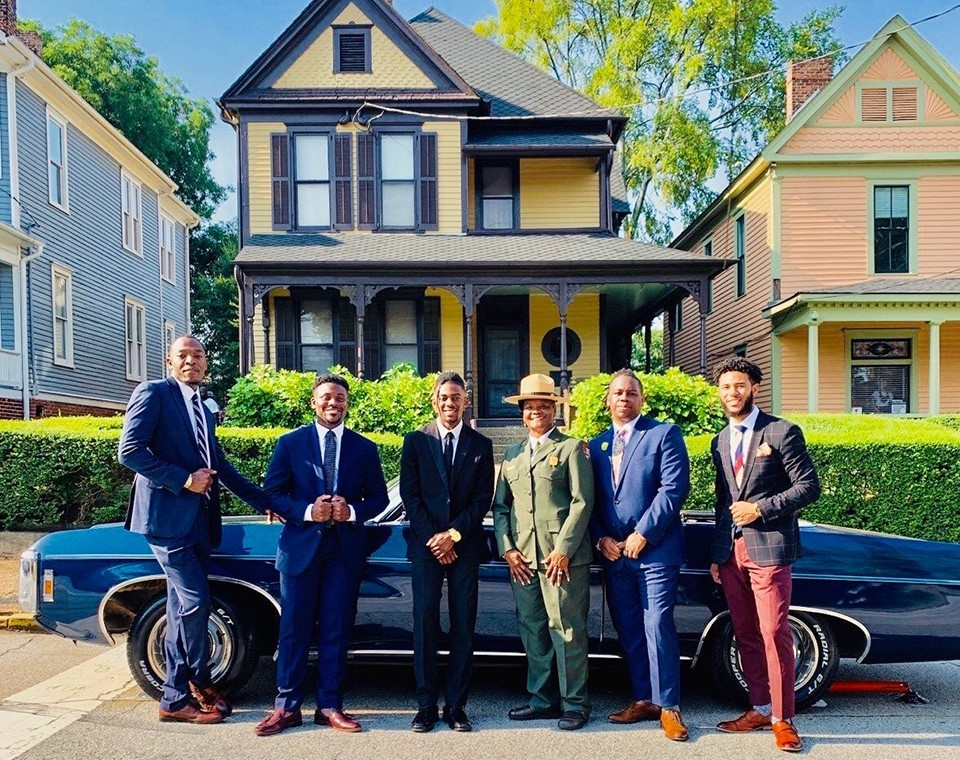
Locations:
(8, 25)
(805, 79)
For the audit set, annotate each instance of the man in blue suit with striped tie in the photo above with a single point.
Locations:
(321, 557)
(642, 477)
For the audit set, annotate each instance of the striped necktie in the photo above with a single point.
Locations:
(201, 429)
(330, 461)
(738, 454)
(619, 442)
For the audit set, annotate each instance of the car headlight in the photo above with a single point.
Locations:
(28, 581)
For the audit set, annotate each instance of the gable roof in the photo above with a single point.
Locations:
(513, 86)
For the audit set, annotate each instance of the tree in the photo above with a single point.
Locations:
(701, 80)
(638, 353)
(213, 296)
(149, 107)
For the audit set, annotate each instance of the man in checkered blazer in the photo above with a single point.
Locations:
(764, 477)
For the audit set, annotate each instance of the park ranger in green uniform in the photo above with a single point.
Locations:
(541, 511)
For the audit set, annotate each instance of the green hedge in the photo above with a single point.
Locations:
(63, 471)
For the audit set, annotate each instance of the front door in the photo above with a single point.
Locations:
(504, 356)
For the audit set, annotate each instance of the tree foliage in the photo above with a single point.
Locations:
(690, 74)
(151, 109)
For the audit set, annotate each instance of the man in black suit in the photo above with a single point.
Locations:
(764, 477)
(168, 440)
(446, 483)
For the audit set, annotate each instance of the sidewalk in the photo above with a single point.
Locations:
(11, 544)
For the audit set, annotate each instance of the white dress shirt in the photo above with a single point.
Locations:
(749, 422)
(443, 435)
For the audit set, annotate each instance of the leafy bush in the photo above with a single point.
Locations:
(951, 421)
(396, 403)
(688, 400)
(63, 471)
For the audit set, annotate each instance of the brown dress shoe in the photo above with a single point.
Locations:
(673, 726)
(210, 699)
(786, 736)
(751, 720)
(278, 721)
(191, 713)
(338, 721)
(642, 709)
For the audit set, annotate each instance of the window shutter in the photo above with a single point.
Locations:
(873, 104)
(431, 335)
(286, 333)
(366, 182)
(342, 177)
(428, 181)
(904, 103)
(280, 176)
(372, 356)
(347, 335)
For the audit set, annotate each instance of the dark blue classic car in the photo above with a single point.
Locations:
(869, 596)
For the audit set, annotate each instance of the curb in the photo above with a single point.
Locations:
(20, 622)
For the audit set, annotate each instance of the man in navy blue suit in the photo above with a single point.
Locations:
(168, 440)
(321, 557)
(642, 476)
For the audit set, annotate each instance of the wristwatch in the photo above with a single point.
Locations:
(599, 541)
(454, 534)
(189, 482)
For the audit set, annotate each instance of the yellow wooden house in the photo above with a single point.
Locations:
(844, 237)
(411, 192)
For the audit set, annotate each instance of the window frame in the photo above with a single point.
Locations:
(740, 255)
(412, 132)
(168, 257)
(479, 166)
(912, 232)
(353, 29)
(14, 327)
(129, 302)
(128, 181)
(295, 183)
(890, 86)
(676, 316)
(913, 403)
(58, 271)
(61, 122)
(169, 335)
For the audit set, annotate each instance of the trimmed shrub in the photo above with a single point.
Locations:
(396, 403)
(688, 400)
(63, 471)
(951, 421)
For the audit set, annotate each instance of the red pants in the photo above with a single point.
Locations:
(759, 600)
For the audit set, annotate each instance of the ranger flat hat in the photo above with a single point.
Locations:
(535, 387)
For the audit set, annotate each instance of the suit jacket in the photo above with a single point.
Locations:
(654, 482)
(545, 503)
(779, 477)
(296, 470)
(159, 445)
(432, 503)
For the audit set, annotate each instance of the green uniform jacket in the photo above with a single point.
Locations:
(545, 505)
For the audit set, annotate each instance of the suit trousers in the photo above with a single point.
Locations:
(642, 599)
(759, 601)
(462, 577)
(317, 606)
(553, 630)
(186, 648)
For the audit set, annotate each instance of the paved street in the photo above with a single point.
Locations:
(94, 716)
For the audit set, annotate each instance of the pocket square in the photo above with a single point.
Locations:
(764, 450)
(476, 460)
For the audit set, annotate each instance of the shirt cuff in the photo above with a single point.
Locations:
(308, 515)
(353, 513)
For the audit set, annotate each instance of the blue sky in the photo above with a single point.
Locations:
(209, 43)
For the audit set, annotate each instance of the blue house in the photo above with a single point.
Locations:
(94, 248)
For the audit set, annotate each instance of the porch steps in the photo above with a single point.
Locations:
(501, 435)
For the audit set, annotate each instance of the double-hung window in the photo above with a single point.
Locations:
(740, 252)
(398, 187)
(132, 214)
(891, 229)
(135, 336)
(312, 180)
(62, 281)
(8, 336)
(57, 159)
(168, 249)
(498, 196)
(881, 369)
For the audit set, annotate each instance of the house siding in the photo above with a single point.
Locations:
(6, 213)
(258, 186)
(874, 140)
(938, 199)
(450, 196)
(583, 316)
(88, 242)
(451, 330)
(559, 193)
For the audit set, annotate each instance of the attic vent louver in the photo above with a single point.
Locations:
(353, 52)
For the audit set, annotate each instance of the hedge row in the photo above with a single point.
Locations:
(885, 474)
(63, 471)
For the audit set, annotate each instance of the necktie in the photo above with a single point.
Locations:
(738, 454)
(448, 455)
(618, 444)
(201, 430)
(330, 461)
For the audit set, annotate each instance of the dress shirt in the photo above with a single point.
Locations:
(322, 434)
(748, 423)
(535, 442)
(188, 394)
(628, 428)
(456, 435)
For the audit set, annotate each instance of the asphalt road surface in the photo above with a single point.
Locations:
(63, 700)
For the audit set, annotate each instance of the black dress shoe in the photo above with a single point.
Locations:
(526, 712)
(456, 718)
(425, 719)
(571, 720)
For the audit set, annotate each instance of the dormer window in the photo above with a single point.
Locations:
(889, 103)
(351, 50)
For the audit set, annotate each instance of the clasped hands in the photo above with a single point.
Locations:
(612, 549)
(327, 509)
(441, 545)
(557, 567)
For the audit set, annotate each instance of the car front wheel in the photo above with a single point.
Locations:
(814, 647)
(233, 648)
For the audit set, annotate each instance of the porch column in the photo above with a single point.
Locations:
(647, 340)
(813, 365)
(564, 378)
(246, 326)
(703, 343)
(361, 318)
(671, 348)
(265, 324)
(468, 304)
(934, 404)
